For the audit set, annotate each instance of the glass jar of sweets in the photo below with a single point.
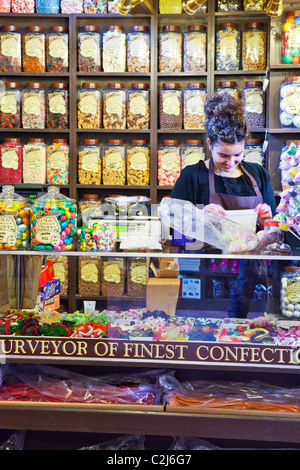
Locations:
(228, 86)
(10, 49)
(193, 106)
(14, 220)
(289, 116)
(194, 49)
(57, 48)
(254, 151)
(89, 162)
(228, 47)
(94, 6)
(170, 49)
(171, 8)
(87, 202)
(10, 106)
(89, 51)
(34, 50)
(290, 52)
(22, 6)
(47, 6)
(5, 6)
(114, 162)
(34, 161)
(138, 163)
(138, 49)
(53, 219)
(114, 49)
(33, 106)
(89, 106)
(253, 5)
(229, 5)
(71, 6)
(192, 152)
(138, 106)
(11, 160)
(170, 106)
(254, 101)
(254, 47)
(114, 106)
(58, 106)
(169, 162)
(290, 292)
(58, 156)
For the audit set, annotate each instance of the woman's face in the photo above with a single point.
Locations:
(226, 157)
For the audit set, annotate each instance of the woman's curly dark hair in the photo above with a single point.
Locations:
(225, 119)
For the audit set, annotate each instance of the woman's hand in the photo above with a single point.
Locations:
(215, 209)
(264, 213)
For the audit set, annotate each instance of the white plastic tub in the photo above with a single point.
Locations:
(246, 217)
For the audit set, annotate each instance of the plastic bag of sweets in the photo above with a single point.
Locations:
(53, 219)
(14, 220)
(71, 6)
(5, 6)
(22, 6)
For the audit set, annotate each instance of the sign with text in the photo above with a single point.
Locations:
(156, 352)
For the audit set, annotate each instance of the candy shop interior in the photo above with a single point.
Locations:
(131, 317)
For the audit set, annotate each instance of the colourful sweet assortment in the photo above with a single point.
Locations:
(99, 237)
(142, 324)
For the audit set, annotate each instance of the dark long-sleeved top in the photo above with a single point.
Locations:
(193, 184)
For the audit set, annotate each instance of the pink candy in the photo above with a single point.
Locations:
(71, 6)
(23, 6)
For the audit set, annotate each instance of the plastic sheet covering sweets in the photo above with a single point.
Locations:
(252, 395)
(46, 383)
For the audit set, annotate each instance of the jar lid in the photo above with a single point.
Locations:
(53, 197)
(139, 142)
(59, 141)
(228, 25)
(35, 28)
(293, 13)
(10, 27)
(289, 142)
(59, 85)
(171, 85)
(291, 79)
(139, 28)
(292, 269)
(140, 85)
(171, 27)
(227, 83)
(90, 141)
(90, 28)
(115, 141)
(34, 85)
(36, 139)
(116, 85)
(90, 196)
(12, 84)
(90, 85)
(254, 24)
(12, 139)
(118, 27)
(253, 141)
(196, 85)
(170, 142)
(254, 83)
(196, 27)
(194, 141)
(59, 28)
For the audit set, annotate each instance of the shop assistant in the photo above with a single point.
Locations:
(226, 182)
